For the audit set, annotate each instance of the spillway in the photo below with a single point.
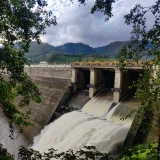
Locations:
(125, 111)
(77, 129)
(100, 104)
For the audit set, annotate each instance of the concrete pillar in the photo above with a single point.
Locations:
(117, 85)
(93, 82)
(74, 77)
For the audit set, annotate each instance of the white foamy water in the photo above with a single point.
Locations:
(125, 111)
(12, 145)
(76, 129)
(100, 104)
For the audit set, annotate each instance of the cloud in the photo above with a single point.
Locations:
(77, 24)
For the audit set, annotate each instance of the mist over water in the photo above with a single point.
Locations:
(12, 145)
(77, 129)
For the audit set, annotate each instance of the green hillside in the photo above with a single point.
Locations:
(111, 49)
(76, 48)
(38, 50)
(71, 52)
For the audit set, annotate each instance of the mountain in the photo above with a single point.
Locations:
(40, 49)
(111, 49)
(44, 51)
(76, 48)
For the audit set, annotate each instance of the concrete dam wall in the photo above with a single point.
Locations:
(52, 84)
(61, 73)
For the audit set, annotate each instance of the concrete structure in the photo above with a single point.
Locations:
(100, 77)
(96, 81)
(93, 82)
(63, 73)
(48, 66)
(52, 83)
(118, 85)
(74, 78)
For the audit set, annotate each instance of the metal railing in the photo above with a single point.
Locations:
(49, 66)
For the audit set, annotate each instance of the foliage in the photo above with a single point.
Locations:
(88, 152)
(141, 36)
(21, 21)
(4, 155)
(138, 50)
(148, 90)
(104, 6)
(141, 152)
(66, 59)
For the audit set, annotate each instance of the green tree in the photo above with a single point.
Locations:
(104, 6)
(21, 21)
(145, 46)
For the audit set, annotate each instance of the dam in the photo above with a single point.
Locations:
(102, 100)
(102, 120)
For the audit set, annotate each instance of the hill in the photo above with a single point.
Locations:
(111, 49)
(76, 48)
(40, 49)
(44, 51)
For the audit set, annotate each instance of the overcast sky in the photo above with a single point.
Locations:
(77, 24)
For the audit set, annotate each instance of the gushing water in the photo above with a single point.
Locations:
(100, 104)
(12, 145)
(76, 129)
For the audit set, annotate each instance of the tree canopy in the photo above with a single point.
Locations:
(21, 21)
(104, 6)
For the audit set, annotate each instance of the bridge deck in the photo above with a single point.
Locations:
(106, 67)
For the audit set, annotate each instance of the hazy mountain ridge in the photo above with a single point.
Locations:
(111, 49)
(44, 49)
(40, 49)
(76, 48)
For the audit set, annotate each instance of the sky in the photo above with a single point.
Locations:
(77, 24)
